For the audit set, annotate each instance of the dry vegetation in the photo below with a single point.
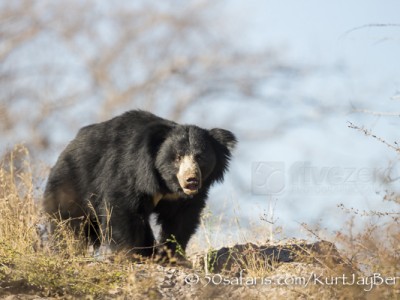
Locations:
(78, 62)
(28, 269)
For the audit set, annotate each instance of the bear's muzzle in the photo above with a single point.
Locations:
(189, 175)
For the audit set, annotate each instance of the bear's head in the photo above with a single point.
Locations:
(191, 158)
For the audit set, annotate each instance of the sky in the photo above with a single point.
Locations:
(303, 173)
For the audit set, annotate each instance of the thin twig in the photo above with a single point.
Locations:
(369, 25)
(369, 133)
(377, 113)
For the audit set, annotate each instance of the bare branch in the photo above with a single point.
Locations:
(369, 133)
(377, 113)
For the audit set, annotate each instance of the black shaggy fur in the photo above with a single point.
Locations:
(111, 172)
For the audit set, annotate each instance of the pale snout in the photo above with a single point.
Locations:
(189, 175)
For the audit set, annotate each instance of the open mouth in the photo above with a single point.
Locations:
(192, 187)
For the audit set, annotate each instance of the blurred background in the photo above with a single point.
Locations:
(289, 78)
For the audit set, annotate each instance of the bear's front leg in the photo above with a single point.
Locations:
(127, 231)
(179, 221)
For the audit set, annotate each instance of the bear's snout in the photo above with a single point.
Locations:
(192, 183)
(189, 175)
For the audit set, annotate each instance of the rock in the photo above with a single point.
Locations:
(233, 259)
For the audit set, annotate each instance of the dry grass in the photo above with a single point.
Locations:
(375, 250)
(26, 267)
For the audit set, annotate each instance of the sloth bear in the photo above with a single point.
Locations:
(115, 174)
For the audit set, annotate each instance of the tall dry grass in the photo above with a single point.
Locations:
(28, 267)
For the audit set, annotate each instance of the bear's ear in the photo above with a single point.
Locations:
(224, 137)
